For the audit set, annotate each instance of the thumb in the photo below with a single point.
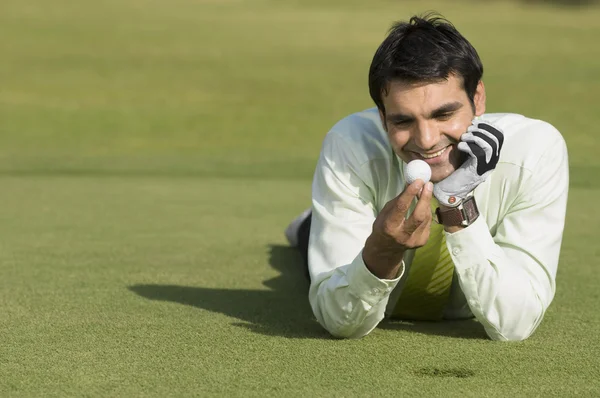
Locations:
(464, 147)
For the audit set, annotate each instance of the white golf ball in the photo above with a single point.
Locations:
(417, 170)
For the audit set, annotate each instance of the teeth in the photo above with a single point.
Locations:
(433, 155)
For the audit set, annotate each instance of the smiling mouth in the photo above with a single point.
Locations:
(433, 155)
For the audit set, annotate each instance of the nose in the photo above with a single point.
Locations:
(426, 135)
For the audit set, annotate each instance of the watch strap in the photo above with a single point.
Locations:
(463, 215)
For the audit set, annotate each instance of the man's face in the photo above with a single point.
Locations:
(426, 120)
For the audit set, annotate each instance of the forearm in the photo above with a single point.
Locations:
(385, 264)
(507, 294)
(508, 279)
(349, 301)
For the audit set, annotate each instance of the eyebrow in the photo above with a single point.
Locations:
(446, 108)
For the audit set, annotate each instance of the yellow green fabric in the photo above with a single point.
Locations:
(427, 287)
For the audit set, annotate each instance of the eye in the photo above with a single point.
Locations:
(401, 123)
(444, 116)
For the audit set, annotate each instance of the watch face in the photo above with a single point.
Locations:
(464, 214)
(471, 211)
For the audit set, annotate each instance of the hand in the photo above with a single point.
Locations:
(393, 233)
(482, 143)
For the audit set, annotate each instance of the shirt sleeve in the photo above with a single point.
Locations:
(346, 298)
(509, 278)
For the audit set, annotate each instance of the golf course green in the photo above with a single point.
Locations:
(152, 153)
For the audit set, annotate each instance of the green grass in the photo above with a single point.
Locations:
(152, 152)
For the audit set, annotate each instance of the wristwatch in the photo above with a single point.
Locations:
(462, 215)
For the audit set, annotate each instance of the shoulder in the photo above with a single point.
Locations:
(526, 140)
(361, 134)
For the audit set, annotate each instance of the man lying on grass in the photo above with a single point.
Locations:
(482, 241)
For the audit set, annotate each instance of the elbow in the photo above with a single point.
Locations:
(519, 327)
(340, 328)
(341, 312)
(512, 335)
(347, 322)
(346, 332)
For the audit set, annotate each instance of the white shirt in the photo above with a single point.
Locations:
(505, 262)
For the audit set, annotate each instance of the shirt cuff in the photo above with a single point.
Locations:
(471, 245)
(366, 286)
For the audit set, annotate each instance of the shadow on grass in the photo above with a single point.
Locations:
(282, 311)
(464, 328)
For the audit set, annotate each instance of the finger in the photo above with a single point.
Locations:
(476, 150)
(493, 131)
(419, 194)
(422, 213)
(483, 141)
(486, 136)
(490, 147)
(482, 167)
(404, 200)
(464, 147)
(421, 234)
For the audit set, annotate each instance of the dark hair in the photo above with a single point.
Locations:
(427, 48)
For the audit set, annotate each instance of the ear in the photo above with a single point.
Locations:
(479, 99)
(382, 117)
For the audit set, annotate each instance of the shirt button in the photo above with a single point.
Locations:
(376, 290)
(455, 251)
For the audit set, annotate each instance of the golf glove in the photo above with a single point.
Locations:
(482, 143)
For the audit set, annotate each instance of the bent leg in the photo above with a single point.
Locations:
(303, 237)
(298, 234)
